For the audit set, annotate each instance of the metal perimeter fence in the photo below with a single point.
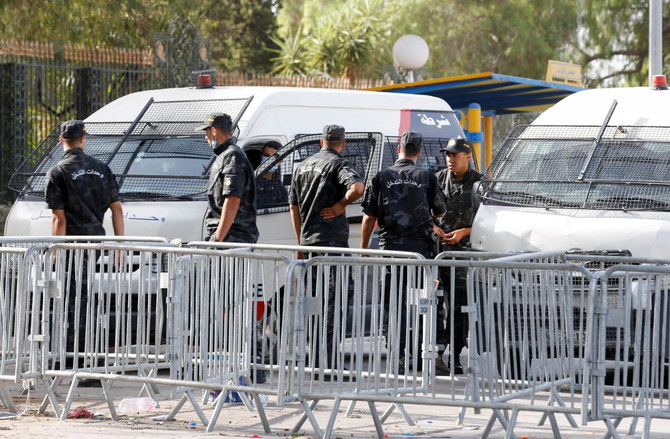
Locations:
(580, 336)
(43, 84)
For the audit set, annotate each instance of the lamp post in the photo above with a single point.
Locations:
(410, 52)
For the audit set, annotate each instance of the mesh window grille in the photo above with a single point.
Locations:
(541, 166)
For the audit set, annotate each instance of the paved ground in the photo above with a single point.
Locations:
(237, 421)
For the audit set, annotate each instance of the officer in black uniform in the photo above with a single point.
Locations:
(79, 191)
(232, 190)
(81, 188)
(321, 188)
(403, 200)
(456, 182)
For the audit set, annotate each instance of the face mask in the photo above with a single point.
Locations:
(213, 143)
(275, 168)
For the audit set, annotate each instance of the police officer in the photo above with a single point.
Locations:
(232, 190)
(81, 188)
(321, 189)
(403, 200)
(456, 182)
(79, 191)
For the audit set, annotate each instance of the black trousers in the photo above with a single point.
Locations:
(425, 248)
(460, 299)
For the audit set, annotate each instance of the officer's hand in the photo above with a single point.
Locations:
(455, 236)
(333, 211)
(441, 235)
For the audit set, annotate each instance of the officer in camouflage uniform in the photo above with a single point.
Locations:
(79, 191)
(321, 188)
(403, 200)
(232, 189)
(456, 182)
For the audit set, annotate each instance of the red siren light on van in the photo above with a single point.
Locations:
(658, 82)
(204, 80)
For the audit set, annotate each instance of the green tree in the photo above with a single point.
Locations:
(614, 46)
(355, 37)
(239, 30)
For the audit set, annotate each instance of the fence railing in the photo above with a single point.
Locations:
(549, 333)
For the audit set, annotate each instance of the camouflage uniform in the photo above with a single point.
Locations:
(83, 187)
(232, 174)
(460, 214)
(319, 182)
(401, 198)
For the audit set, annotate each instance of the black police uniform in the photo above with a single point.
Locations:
(83, 187)
(460, 214)
(319, 182)
(232, 174)
(402, 197)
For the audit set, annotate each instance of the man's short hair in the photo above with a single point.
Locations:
(72, 129)
(217, 120)
(411, 142)
(333, 133)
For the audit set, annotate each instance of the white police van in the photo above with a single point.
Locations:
(590, 173)
(162, 164)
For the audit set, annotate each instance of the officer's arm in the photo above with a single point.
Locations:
(354, 193)
(295, 220)
(228, 213)
(58, 222)
(367, 227)
(117, 218)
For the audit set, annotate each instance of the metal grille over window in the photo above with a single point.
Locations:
(539, 166)
(361, 151)
(160, 155)
(431, 158)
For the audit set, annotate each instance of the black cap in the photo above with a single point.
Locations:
(411, 141)
(333, 132)
(72, 129)
(217, 120)
(458, 145)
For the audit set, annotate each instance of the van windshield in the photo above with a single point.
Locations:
(145, 168)
(554, 166)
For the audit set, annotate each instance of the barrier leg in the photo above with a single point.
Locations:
(304, 417)
(261, 413)
(6, 398)
(107, 391)
(50, 397)
(611, 428)
(69, 398)
(376, 419)
(510, 427)
(617, 421)
(333, 417)
(308, 408)
(177, 407)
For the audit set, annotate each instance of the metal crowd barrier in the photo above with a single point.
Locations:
(628, 358)
(551, 332)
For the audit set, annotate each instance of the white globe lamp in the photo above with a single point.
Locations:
(410, 52)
